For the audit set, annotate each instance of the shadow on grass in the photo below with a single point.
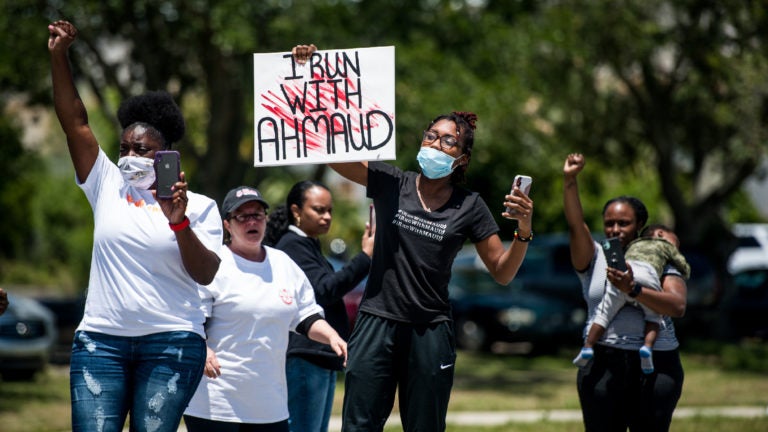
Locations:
(514, 374)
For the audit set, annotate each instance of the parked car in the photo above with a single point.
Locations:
(351, 299)
(352, 302)
(539, 311)
(27, 336)
(752, 248)
(705, 290)
(68, 312)
(747, 306)
(734, 304)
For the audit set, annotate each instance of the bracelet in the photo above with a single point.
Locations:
(636, 288)
(179, 226)
(523, 239)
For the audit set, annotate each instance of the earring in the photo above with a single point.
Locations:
(298, 221)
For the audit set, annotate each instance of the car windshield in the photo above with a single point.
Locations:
(470, 281)
(751, 280)
(749, 241)
(545, 261)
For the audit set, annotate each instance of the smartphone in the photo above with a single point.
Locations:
(614, 253)
(371, 216)
(167, 170)
(523, 182)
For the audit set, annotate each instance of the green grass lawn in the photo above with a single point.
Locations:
(483, 382)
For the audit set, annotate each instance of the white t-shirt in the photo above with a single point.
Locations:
(138, 284)
(252, 307)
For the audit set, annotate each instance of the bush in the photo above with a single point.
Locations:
(749, 355)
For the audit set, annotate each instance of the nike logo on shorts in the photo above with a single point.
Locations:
(445, 366)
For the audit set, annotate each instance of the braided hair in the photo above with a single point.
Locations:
(465, 131)
(155, 110)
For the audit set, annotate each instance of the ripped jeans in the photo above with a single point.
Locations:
(153, 377)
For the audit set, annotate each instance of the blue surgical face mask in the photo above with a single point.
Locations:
(434, 163)
(137, 171)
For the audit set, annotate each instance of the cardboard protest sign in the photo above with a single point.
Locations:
(338, 107)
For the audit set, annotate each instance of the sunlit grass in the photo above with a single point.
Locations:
(39, 406)
(683, 425)
(483, 382)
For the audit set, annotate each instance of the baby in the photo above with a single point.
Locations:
(658, 246)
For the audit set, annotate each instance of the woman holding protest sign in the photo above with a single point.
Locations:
(311, 367)
(404, 335)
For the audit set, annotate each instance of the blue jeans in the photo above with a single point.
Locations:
(153, 377)
(310, 395)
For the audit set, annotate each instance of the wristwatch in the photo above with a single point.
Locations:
(636, 288)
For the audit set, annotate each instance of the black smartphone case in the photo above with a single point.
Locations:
(167, 172)
(614, 253)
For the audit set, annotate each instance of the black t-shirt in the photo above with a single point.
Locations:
(414, 249)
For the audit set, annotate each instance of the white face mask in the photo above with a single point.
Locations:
(137, 171)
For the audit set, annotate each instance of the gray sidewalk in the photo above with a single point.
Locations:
(497, 418)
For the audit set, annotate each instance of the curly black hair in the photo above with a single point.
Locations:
(466, 124)
(156, 109)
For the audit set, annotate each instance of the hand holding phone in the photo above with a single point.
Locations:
(167, 171)
(614, 253)
(523, 182)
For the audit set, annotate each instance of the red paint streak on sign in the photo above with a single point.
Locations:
(329, 96)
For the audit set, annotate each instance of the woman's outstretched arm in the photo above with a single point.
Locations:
(83, 147)
(582, 246)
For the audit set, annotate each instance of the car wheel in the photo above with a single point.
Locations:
(544, 348)
(18, 375)
(470, 335)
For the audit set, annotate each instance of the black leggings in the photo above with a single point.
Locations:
(615, 394)
(197, 424)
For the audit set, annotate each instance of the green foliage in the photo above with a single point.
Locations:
(46, 235)
(664, 96)
(666, 99)
(23, 69)
(740, 208)
(19, 185)
(67, 227)
(745, 356)
(750, 356)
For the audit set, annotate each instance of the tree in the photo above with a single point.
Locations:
(669, 92)
(677, 84)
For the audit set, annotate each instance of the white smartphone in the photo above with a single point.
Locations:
(523, 182)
